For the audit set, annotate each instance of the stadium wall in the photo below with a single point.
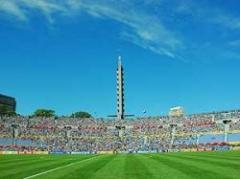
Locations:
(105, 152)
(8, 152)
(23, 152)
(80, 153)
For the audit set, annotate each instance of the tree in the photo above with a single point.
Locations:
(44, 113)
(81, 114)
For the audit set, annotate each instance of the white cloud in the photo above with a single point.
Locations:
(234, 43)
(142, 28)
(214, 15)
(21, 9)
(155, 46)
(226, 20)
(11, 8)
(46, 7)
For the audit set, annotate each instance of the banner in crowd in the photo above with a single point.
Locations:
(188, 150)
(125, 152)
(234, 143)
(25, 152)
(235, 148)
(40, 152)
(142, 152)
(222, 148)
(105, 152)
(57, 152)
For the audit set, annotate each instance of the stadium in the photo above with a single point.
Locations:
(169, 110)
(175, 145)
(195, 146)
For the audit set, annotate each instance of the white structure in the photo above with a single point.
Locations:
(176, 111)
(120, 96)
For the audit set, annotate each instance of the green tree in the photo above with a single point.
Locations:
(81, 114)
(44, 113)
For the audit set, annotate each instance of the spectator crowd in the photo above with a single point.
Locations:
(157, 134)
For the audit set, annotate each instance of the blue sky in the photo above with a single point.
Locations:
(62, 54)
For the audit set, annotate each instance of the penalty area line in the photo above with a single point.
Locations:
(61, 167)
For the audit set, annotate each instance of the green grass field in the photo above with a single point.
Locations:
(171, 165)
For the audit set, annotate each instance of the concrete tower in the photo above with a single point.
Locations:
(120, 90)
(120, 94)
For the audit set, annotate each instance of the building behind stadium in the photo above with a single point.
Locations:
(177, 111)
(8, 102)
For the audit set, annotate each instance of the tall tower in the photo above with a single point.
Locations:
(120, 94)
(120, 90)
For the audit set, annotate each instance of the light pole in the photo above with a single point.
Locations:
(173, 131)
(68, 130)
(14, 133)
(226, 124)
(198, 138)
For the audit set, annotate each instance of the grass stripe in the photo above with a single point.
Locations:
(135, 168)
(22, 162)
(160, 170)
(58, 168)
(113, 169)
(204, 165)
(211, 160)
(81, 170)
(191, 169)
(232, 158)
(32, 168)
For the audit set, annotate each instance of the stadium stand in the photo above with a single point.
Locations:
(197, 132)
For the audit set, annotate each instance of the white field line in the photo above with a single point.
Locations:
(54, 169)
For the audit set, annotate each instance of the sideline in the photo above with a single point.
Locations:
(54, 169)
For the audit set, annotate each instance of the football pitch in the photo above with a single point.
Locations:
(166, 165)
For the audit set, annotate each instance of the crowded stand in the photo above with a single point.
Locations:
(197, 132)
